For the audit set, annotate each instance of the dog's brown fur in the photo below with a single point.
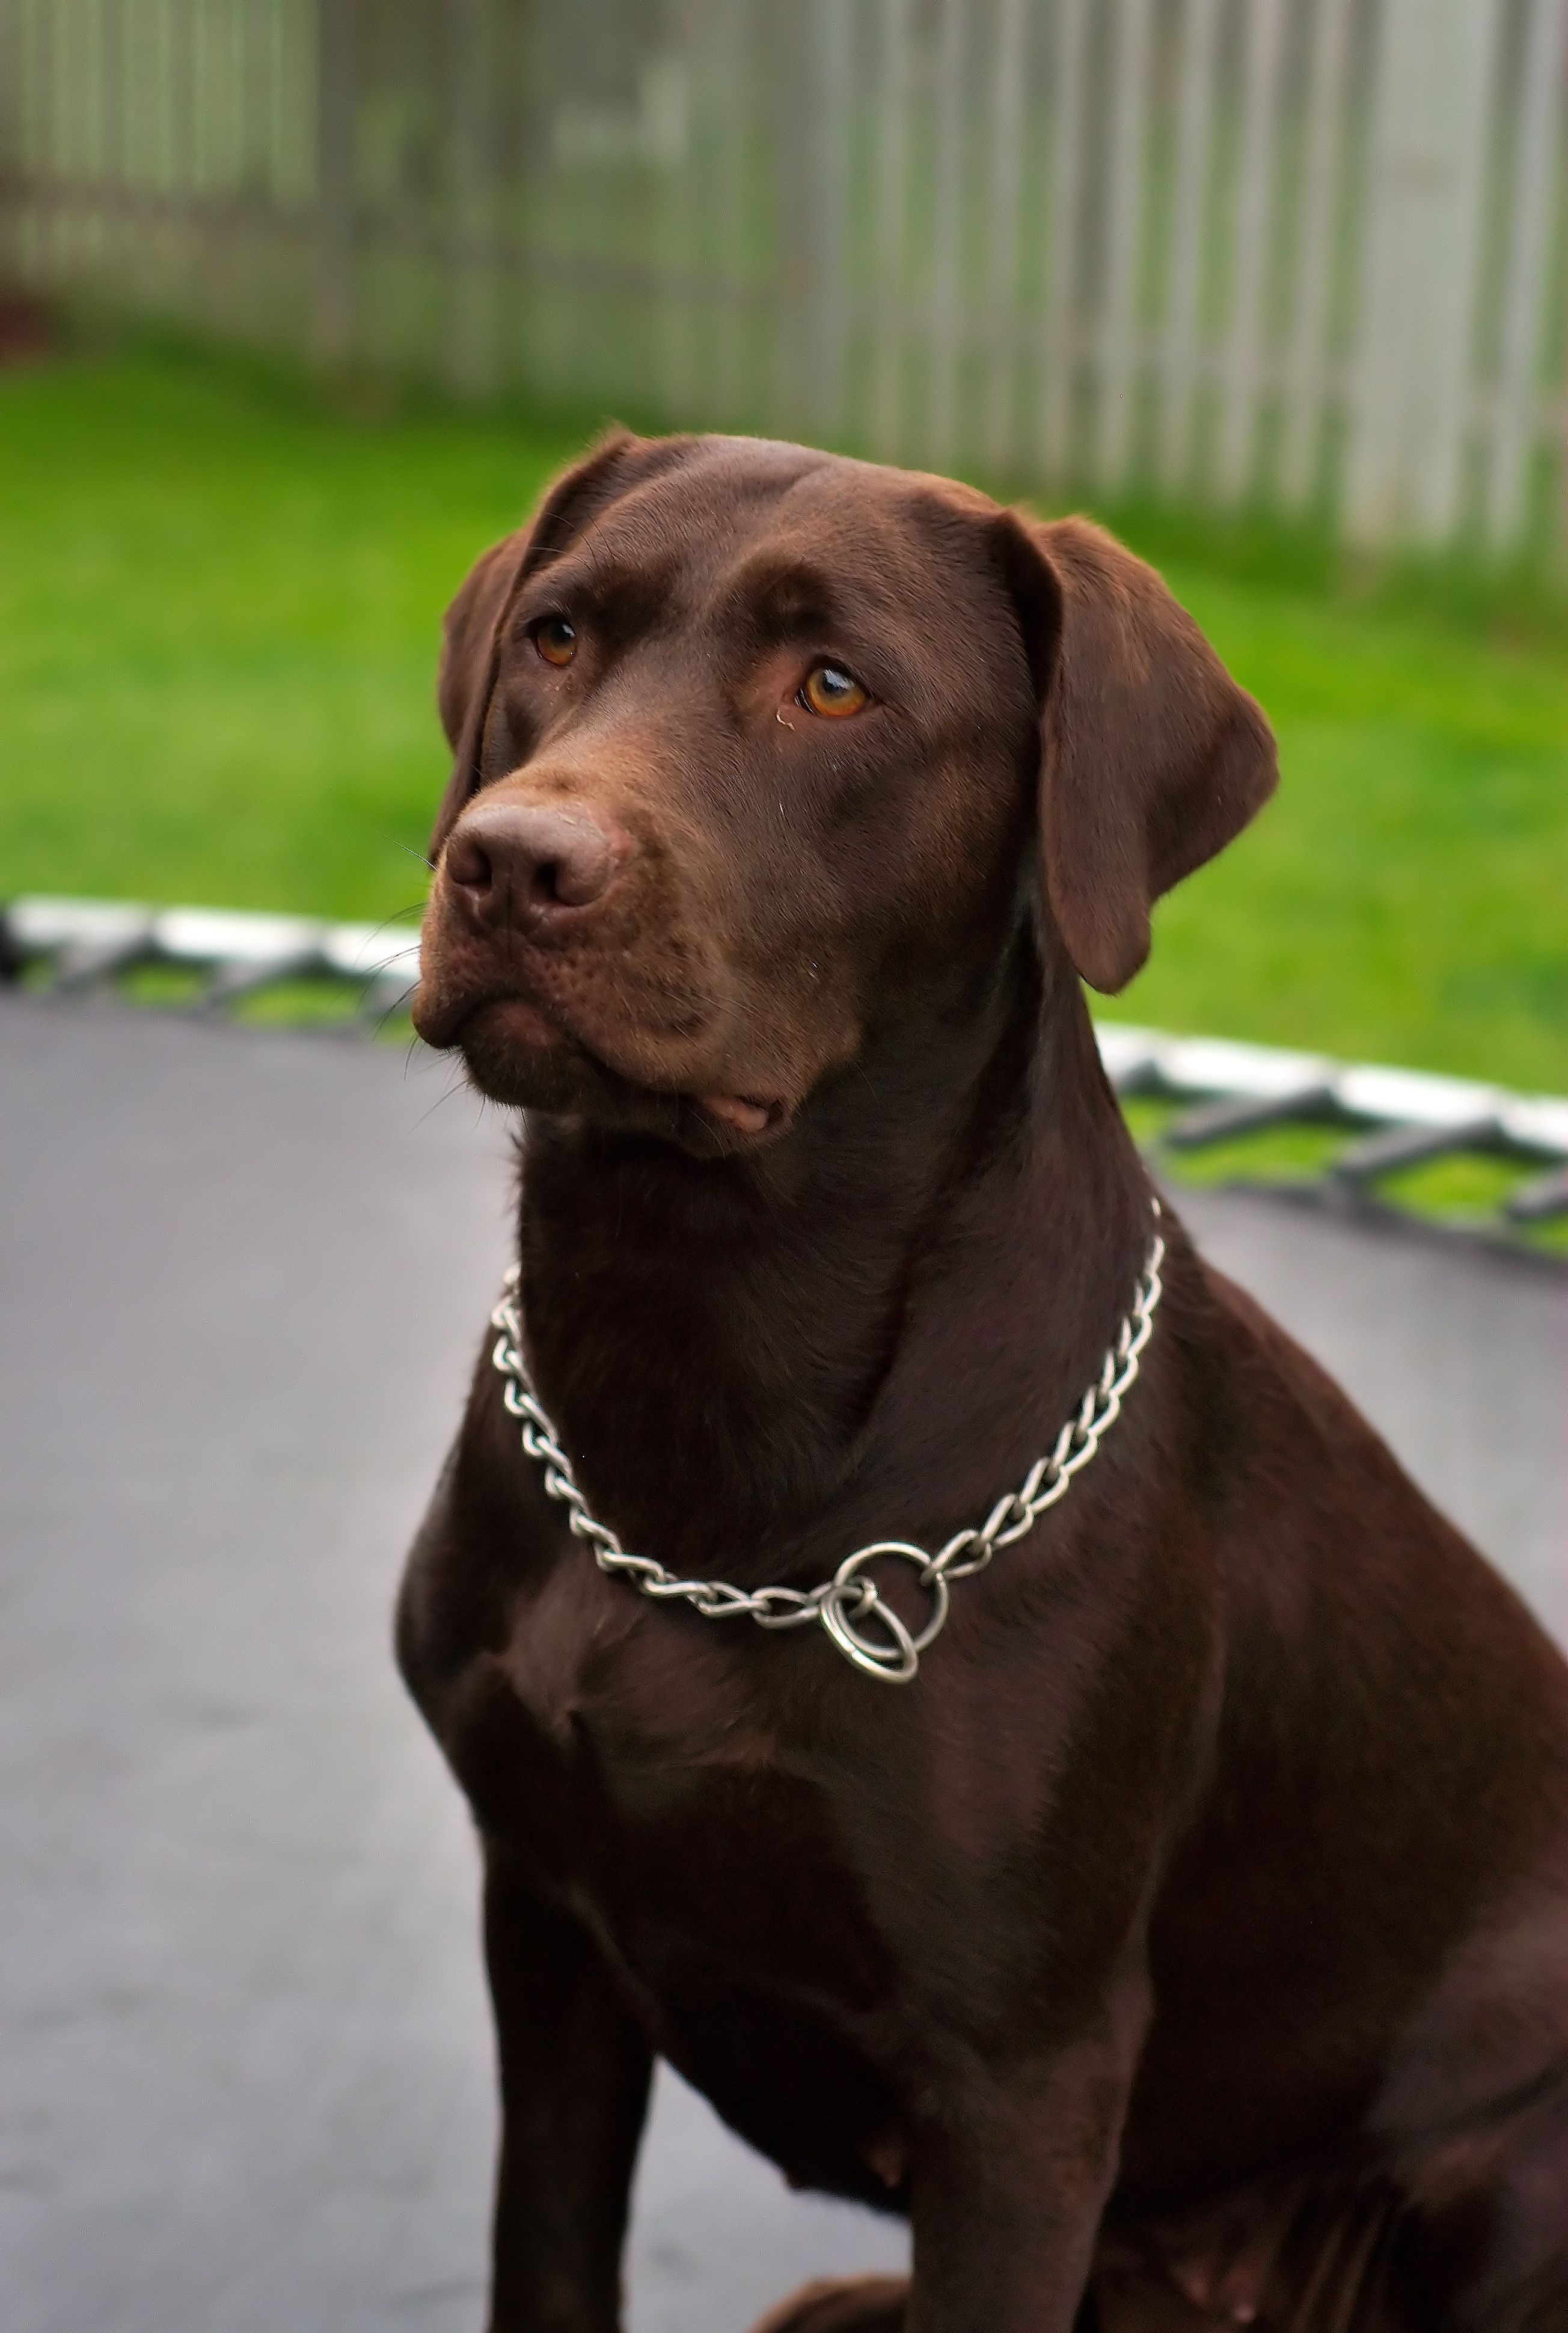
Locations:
(1188, 1945)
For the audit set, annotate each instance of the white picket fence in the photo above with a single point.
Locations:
(1305, 257)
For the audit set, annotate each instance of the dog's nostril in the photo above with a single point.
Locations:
(575, 864)
(469, 864)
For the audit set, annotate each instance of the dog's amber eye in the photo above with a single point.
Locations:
(828, 689)
(555, 641)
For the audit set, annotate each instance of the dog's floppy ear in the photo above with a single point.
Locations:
(1151, 757)
(472, 633)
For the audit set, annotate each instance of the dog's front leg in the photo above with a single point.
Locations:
(1007, 2186)
(575, 2075)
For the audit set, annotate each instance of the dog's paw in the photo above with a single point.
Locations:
(853, 2304)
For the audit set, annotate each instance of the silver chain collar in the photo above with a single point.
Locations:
(850, 1600)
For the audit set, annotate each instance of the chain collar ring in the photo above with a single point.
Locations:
(850, 1600)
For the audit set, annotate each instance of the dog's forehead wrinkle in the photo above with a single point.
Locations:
(770, 464)
(755, 533)
(719, 479)
(617, 565)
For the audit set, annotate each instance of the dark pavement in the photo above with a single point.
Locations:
(245, 2075)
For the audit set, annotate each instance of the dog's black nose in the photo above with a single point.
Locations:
(508, 859)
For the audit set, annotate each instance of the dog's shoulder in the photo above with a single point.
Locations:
(1326, 1540)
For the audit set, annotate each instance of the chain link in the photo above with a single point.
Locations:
(850, 1602)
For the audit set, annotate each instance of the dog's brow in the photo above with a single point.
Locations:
(786, 596)
(620, 593)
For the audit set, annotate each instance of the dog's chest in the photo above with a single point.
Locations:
(632, 1754)
(613, 1752)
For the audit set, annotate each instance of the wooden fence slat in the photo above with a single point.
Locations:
(1059, 350)
(197, 129)
(1006, 133)
(1196, 74)
(12, 210)
(945, 326)
(732, 198)
(1127, 146)
(27, 134)
(1308, 365)
(124, 173)
(792, 92)
(159, 239)
(69, 220)
(1415, 357)
(888, 228)
(91, 99)
(53, 31)
(1438, 486)
(678, 267)
(196, 92)
(469, 357)
(57, 45)
(258, 69)
(828, 192)
(1538, 141)
(336, 188)
(1386, 321)
(1242, 363)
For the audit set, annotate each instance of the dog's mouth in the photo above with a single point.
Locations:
(742, 1113)
(522, 1052)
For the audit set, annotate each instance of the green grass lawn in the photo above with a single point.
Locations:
(219, 601)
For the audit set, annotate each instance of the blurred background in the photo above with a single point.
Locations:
(310, 296)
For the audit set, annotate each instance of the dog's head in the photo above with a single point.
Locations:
(757, 750)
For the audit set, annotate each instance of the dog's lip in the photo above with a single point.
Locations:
(441, 1022)
(735, 1117)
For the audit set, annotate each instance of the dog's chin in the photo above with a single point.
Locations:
(514, 1054)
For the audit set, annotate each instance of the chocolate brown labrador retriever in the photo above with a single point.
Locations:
(1186, 1944)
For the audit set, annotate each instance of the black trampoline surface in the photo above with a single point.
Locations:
(246, 2079)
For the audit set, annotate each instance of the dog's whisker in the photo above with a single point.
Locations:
(397, 1004)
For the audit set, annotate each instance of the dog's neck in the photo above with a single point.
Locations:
(737, 1352)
